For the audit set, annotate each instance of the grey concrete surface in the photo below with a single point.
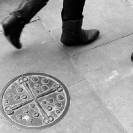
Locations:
(98, 76)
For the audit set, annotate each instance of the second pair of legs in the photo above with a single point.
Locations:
(72, 19)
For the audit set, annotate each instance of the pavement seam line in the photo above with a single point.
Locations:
(65, 53)
(104, 104)
(76, 83)
(129, 3)
(103, 44)
(52, 35)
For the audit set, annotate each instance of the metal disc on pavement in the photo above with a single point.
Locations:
(34, 101)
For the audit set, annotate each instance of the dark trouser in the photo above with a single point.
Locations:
(72, 9)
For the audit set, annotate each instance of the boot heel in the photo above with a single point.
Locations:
(2, 29)
(5, 30)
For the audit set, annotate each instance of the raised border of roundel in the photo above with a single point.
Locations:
(35, 128)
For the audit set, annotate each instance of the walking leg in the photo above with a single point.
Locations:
(15, 22)
(72, 17)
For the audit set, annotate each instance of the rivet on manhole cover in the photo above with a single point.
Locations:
(34, 101)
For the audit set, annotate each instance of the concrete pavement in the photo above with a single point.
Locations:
(99, 76)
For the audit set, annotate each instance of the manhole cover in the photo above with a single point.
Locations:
(34, 100)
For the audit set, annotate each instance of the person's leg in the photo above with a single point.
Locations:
(72, 9)
(28, 8)
(72, 17)
(15, 22)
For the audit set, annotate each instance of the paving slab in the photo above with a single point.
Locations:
(86, 114)
(103, 102)
(113, 18)
(109, 70)
(40, 53)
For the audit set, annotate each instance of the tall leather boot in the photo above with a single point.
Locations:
(72, 32)
(13, 25)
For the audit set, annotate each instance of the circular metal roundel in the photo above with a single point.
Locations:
(34, 101)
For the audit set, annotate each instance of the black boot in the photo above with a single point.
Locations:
(13, 25)
(72, 33)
